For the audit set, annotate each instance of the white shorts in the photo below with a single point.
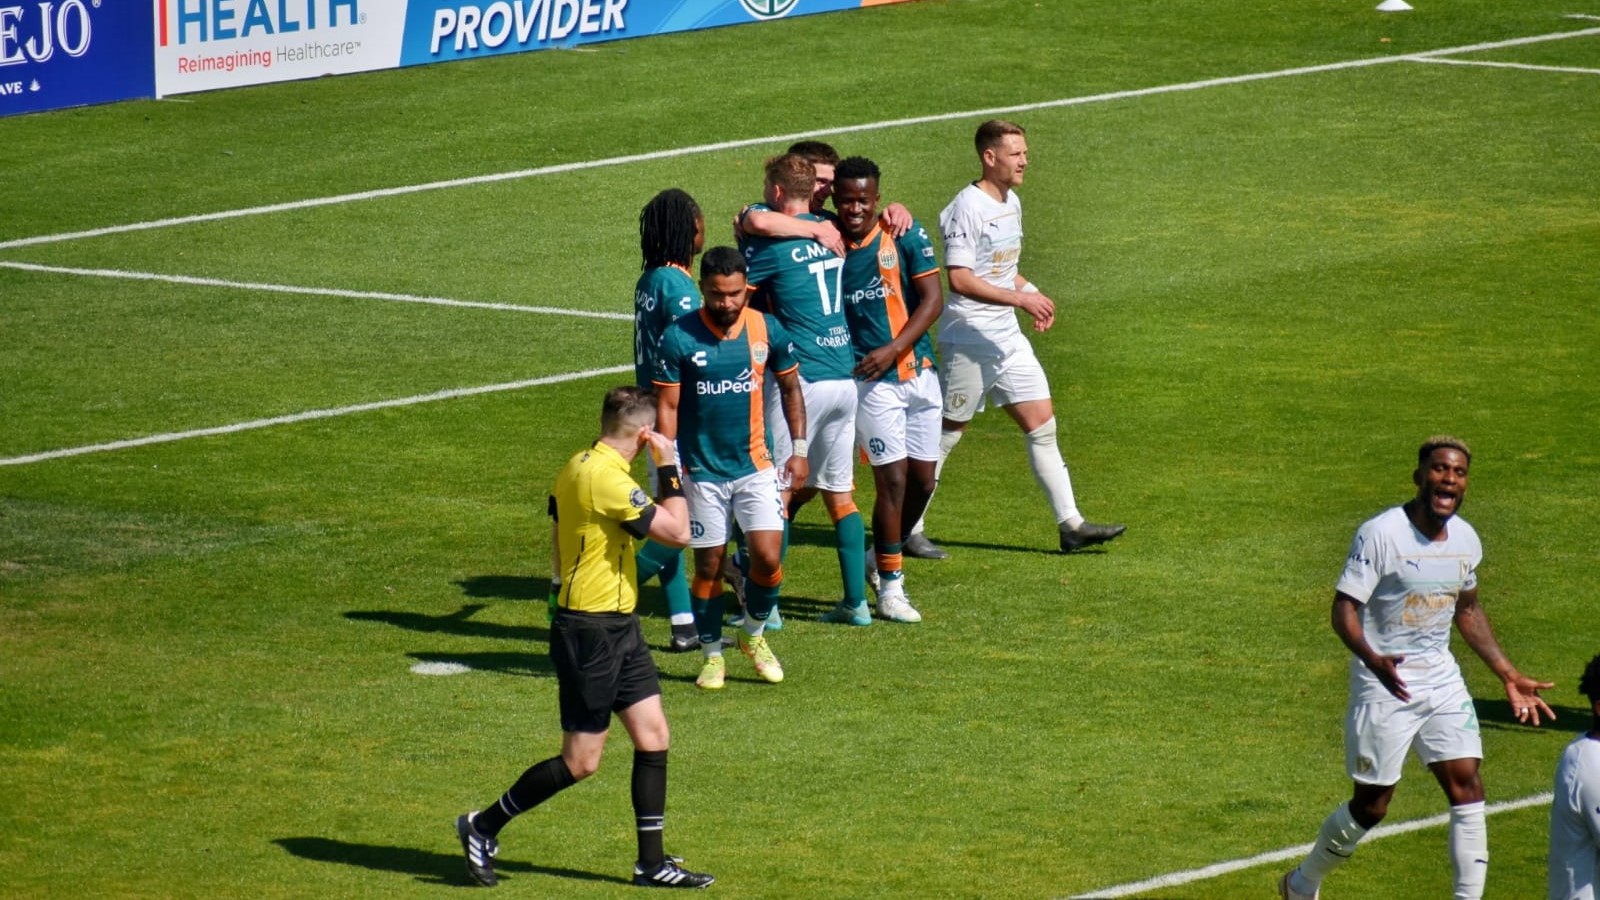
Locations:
(751, 501)
(830, 430)
(897, 419)
(1437, 723)
(1005, 374)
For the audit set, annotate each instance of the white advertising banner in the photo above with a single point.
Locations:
(202, 45)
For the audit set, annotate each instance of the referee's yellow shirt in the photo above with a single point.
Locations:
(599, 509)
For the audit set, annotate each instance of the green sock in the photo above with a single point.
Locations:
(653, 558)
(851, 533)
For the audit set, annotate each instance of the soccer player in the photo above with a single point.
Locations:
(671, 234)
(710, 382)
(892, 297)
(602, 663)
(986, 357)
(1412, 570)
(799, 282)
(1575, 813)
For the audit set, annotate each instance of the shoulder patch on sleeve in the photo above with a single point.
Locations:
(638, 499)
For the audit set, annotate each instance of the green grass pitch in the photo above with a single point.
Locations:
(1271, 289)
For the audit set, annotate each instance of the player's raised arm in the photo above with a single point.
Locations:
(772, 224)
(1522, 692)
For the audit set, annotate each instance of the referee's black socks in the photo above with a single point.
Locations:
(536, 785)
(650, 806)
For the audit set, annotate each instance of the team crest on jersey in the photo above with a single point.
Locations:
(638, 499)
(887, 258)
(758, 352)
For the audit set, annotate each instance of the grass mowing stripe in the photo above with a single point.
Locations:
(785, 138)
(310, 415)
(1175, 879)
(1508, 65)
(309, 291)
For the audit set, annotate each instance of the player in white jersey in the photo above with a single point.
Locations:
(986, 356)
(1575, 812)
(1411, 572)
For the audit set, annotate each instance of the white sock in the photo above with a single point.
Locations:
(947, 442)
(1335, 843)
(1469, 849)
(1051, 473)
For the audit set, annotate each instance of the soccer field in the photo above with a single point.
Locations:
(285, 373)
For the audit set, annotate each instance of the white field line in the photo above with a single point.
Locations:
(1581, 16)
(785, 138)
(1292, 853)
(1439, 60)
(312, 414)
(311, 291)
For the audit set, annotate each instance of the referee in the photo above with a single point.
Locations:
(602, 662)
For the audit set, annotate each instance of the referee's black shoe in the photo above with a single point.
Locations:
(1087, 534)
(480, 851)
(671, 875)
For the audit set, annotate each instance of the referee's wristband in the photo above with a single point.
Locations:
(668, 484)
(801, 448)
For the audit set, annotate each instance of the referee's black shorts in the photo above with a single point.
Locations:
(602, 666)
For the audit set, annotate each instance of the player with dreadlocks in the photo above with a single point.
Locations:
(672, 232)
(1575, 812)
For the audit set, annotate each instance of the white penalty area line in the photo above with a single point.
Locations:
(310, 415)
(1439, 60)
(785, 138)
(308, 291)
(1290, 853)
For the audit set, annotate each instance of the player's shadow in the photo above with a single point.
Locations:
(534, 664)
(459, 623)
(425, 865)
(1495, 713)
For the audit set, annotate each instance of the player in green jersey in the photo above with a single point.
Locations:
(892, 297)
(710, 383)
(671, 234)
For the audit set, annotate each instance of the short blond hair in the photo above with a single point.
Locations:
(1441, 442)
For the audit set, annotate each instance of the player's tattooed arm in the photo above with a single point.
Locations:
(794, 413)
(1347, 625)
(1521, 691)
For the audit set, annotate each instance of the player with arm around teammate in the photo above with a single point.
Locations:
(1575, 812)
(799, 282)
(710, 381)
(1411, 572)
(892, 297)
(985, 355)
(603, 666)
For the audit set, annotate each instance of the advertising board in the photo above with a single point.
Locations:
(73, 52)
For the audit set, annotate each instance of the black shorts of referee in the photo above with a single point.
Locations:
(603, 665)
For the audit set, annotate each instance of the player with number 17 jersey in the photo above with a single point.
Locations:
(798, 280)
(721, 376)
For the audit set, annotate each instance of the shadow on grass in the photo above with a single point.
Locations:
(1496, 713)
(425, 865)
(505, 587)
(534, 663)
(458, 623)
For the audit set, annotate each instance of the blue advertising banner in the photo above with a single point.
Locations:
(74, 52)
(439, 30)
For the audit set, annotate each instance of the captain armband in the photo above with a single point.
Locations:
(668, 482)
